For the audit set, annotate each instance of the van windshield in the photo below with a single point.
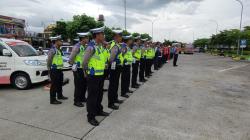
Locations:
(22, 49)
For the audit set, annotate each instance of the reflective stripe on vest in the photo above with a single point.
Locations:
(128, 57)
(57, 62)
(137, 54)
(96, 63)
(79, 57)
(106, 54)
(149, 53)
(119, 58)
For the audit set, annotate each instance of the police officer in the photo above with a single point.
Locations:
(76, 60)
(136, 52)
(142, 61)
(147, 54)
(55, 65)
(106, 53)
(151, 57)
(157, 59)
(115, 62)
(93, 66)
(126, 71)
(175, 53)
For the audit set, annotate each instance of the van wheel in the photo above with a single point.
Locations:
(21, 81)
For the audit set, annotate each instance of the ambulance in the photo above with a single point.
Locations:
(20, 64)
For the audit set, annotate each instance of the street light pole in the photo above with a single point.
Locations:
(242, 6)
(125, 14)
(217, 25)
(153, 21)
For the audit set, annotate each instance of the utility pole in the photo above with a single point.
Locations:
(242, 6)
(217, 25)
(125, 14)
(153, 21)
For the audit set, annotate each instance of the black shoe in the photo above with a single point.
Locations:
(62, 98)
(84, 100)
(55, 102)
(130, 91)
(135, 86)
(114, 107)
(148, 76)
(93, 122)
(119, 101)
(103, 114)
(79, 104)
(175, 65)
(125, 96)
(144, 80)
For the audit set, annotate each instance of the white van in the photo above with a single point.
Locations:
(20, 64)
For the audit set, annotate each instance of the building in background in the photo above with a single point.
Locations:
(12, 27)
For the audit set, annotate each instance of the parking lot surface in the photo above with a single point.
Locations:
(205, 97)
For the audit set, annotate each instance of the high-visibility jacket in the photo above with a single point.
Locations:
(128, 57)
(137, 54)
(148, 54)
(119, 58)
(57, 61)
(96, 63)
(106, 54)
(79, 56)
(153, 52)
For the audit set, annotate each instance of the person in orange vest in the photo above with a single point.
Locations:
(168, 54)
(165, 53)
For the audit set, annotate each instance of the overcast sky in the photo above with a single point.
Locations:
(180, 20)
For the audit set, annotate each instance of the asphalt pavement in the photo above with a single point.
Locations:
(204, 98)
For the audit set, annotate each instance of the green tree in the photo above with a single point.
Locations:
(201, 42)
(81, 23)
(60, 29)
(135, 34)
(108, 34)
(145, 35)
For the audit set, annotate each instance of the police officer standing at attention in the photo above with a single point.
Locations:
(142, 61)
(176, 53)
(115, 62)
(136, 52)
(107, 56)
(55, 65)
(76, 60)
(93, 66)
(147, 54)
(126, 71)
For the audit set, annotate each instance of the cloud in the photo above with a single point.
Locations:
(175, 19)
(141, 5)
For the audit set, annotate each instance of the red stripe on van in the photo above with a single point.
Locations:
(4, 80)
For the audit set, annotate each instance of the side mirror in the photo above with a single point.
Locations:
(7, 53)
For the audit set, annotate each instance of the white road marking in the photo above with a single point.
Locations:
(235, 67)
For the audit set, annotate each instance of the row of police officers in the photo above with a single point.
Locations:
(96, 60)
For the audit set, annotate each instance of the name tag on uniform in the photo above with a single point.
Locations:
(74, 67)
(113, 66)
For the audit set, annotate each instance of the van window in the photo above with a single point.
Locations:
(1, 49)
(22, 49)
